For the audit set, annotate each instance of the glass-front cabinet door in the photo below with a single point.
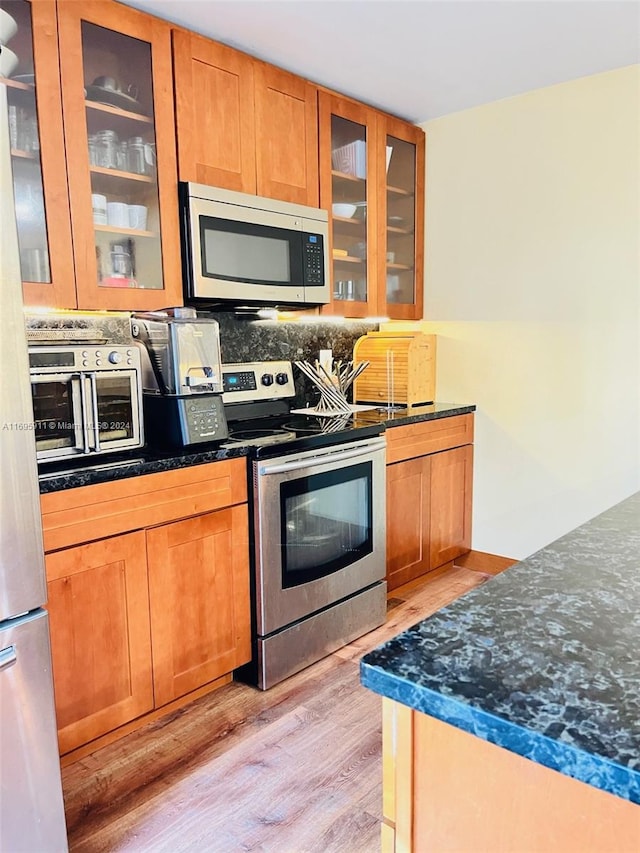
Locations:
(30, 53)
(348, 192)
(120, 140)
(401, 218)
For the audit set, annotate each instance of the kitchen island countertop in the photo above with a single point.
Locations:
(542, 660)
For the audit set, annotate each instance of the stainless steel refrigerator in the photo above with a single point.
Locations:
(31, 805)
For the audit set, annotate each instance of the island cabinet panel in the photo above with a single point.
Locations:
(460, 792)
(429, 496)
(199, 592)
(214, 113)
(408, 497)
(100, 642)
(286, 109)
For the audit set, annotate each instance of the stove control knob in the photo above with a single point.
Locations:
(115, 357)
(282, 378)
(267, 379)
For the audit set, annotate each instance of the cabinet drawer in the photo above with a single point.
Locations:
(93, 512)
(412, 440)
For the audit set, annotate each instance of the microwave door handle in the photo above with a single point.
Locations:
(94, 410)
(318, 460)
(85, 408)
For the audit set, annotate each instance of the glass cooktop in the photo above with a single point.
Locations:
(299, 430)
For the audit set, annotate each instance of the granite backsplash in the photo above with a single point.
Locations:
(241, 339)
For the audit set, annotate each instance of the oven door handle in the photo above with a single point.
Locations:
(94, 411)
(85, 410)
(325, 457)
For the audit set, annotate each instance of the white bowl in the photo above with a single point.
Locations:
(8, 62)
(344, 210)
(8, 27)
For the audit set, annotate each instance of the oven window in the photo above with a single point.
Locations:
(115, 407)
(326, 523)
(53, 414)
(245, 252)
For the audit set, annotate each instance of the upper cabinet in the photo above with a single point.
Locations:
(372, 183)
(91, 92)
(117, 100)
(37, 155)
(243, 124)
(400, 234)
(349, 191)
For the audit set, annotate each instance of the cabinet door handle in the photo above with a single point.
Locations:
(8, 657)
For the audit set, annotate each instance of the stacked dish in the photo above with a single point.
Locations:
(8, 59)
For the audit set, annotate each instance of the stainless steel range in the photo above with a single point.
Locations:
(319, 553)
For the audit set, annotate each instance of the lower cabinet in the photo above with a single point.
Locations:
(201, 566)
(429, 488)
(100, 641)
(140, 618)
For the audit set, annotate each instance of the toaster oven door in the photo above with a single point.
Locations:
(58, 420)
(115, 421)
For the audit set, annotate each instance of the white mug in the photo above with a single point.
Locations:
(118, 214)
(138, 217)
(99, 205)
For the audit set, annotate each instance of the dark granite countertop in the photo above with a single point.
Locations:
(400, 417)
(82, 472)
(69, 475)
(542, 660)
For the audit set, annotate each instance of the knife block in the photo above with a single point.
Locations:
(402, 369)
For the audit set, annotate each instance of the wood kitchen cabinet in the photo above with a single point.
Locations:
(148, 592)
(98, 606)
(429, 493)
(120, 146)
(95, 173)
(243, 124)
(372, 183)
(201, 566)
(37, 156)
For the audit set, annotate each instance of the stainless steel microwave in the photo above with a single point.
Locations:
(254, 251)
(87, 399)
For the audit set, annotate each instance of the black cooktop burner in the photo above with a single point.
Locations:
(258, 437)
(299, 431)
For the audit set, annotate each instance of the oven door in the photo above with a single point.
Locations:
(320, 529)
(60, 428)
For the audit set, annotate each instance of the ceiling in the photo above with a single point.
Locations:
(421, 59)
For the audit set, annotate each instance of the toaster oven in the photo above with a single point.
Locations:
(87, 399)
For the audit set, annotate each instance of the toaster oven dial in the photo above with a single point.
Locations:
(267, 379)
(282, 378)
(115, 357)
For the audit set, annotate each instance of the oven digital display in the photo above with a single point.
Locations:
(242, 380)
(64, 358)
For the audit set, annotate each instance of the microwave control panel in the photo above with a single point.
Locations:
(313, 259)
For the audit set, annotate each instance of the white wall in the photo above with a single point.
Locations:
(533, 283)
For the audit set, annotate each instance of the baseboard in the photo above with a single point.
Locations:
(480, 561)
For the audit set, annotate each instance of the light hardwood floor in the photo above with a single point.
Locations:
(296, 769)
